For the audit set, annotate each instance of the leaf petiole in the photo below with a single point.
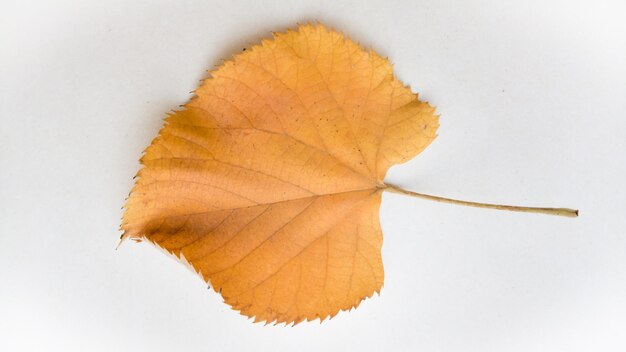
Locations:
(571, 213)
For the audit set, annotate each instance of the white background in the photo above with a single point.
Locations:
(532, 102)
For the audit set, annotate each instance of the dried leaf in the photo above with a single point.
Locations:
(268, 182)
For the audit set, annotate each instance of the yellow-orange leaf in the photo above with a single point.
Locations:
(268, 182)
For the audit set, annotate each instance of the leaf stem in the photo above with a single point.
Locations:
(571, 213)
